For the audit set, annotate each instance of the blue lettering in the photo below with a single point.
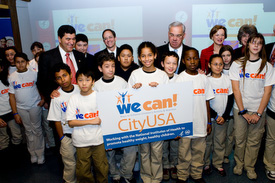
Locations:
(126, 108)
(64, 109)
(135, 107)
(79, 116)
(212, 22)
(214, 91)
(247, 75)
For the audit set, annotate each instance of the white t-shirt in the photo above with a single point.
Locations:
(202, 91)
(84, 108)
(33, 65)
(139, 76)
(225, 71)
(117, 84)
(5, 107)
(222, 88)
(58, 107)
(23, 85)
(271, 104)
(252, 87)
(173, 79)
(12, 69)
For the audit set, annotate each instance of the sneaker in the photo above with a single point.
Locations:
(41, 160)
(201, 180)
(226, 160)
(174, 173)
(270, 174)
(34, 159)
(181, 181)
(207, 170)
(251, 174)
(132, 180)
(166, 174)
(238, 170)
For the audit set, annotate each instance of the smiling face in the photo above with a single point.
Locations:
(109, 40)
(191, 61)
(36, 50)
(81, 46)
(108, 69)
(67, 42)
(244, 39)
(216, 66)
(63, 79)
(125, 58)
(170, 65)
(21, 64)
(10, 56)
(176, 36)
(218, 37)
(147, 58)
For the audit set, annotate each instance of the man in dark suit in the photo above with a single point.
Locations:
(176, 34)
(109, 39)
(270, 48)
(47, 60)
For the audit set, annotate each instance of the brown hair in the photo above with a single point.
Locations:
(215, 29)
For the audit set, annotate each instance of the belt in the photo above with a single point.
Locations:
(68, 135)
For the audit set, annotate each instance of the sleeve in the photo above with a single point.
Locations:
(131, 80)
(70, 113)
(209, 94)
(270, 76)
(234, 71)
(229, 107)
(11, 89)
(213, 113)
(203, 60)
(55, 113)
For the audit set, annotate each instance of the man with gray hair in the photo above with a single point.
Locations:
(176, 34)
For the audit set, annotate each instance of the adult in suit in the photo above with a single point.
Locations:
(176, 34)
(66, 38)
(270, 48)
(109, 39)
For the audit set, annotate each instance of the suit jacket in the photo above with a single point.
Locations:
(165, 48)
(238, 53)
(268, 49)
(47, 60)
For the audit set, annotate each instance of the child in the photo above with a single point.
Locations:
(227, 55)
(191, 149)
(220, 106)
(170, 63)
(126, 60)
(26, 105)
(87, 134)
(252, 80)
(108, 82)
(9, 53)
(149, 75)
(36, 47)
(57, 113)
(6, 117)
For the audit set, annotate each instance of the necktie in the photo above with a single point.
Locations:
(176, 51)
(272, 58)
(71, 65)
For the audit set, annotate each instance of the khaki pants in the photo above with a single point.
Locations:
(229, 142)
(68, 153)
(269, 154)
(85, 156)
(191, 153)
(151, 162)
(248, 140)
(170, 153)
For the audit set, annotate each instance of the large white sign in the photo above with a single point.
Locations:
(136, 116)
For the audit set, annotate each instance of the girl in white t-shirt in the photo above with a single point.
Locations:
(149, 75)
(26, 105)
(220, 106)
(252, 79)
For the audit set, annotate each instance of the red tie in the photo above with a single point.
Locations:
(272, 58)
(71, 65)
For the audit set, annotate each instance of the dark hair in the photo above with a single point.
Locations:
(104, 57)
(189, 49)
(146, 44)
(86, 72)
(113, 32)
(125, 47)
(170, 54)
(21, 55)
(37, 44)
(246, 29)
(60, 66)
(215, 29)
(10, 48)
(211, 59)
(4, 38)
(65, 29)
(262, 53)
(227, 48)
(5, 72)
(81, 37)
(38, 54)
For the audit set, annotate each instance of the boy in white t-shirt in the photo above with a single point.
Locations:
(82, 115)
(57, 113)
(192, 149)
(108, 82)
(170, 147)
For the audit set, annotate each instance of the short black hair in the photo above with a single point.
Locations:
(125, 47)
(81, 37)
(170, 54)
(86, 72)
(10, 48)
(104, 56)
(65, 29)
(113, 32)
(60, 66)
(37, 44)
(22, 55)
(189, 49)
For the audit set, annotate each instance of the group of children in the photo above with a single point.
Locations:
(82, 147)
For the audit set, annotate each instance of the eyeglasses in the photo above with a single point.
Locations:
(216, 64)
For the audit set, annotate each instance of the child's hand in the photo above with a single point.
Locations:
(220, 120)
(55, 94)
(201, 71)
(254, 118)
(2, 123)
(46, 105)
(137, 86)
(153, 84)
(18, 119)
(177, 137)
(209, 128)
(97, 121)
(247, 117)
(41, 103)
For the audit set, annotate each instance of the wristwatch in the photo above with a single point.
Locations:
(259, 114)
